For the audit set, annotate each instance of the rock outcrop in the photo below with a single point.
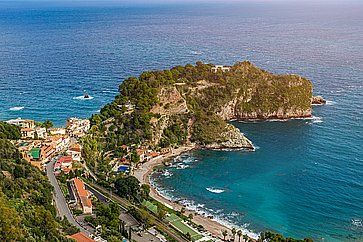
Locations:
(233, 139)
(318, 100)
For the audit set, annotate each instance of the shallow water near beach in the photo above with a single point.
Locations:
(305, 178)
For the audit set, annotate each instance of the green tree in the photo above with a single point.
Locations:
(8, 131)
(47, 124)
(10, 222)
(128, 187)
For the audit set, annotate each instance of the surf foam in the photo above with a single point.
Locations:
(16, 108)
(215, 190)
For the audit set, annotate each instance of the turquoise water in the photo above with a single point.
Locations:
(306, 177)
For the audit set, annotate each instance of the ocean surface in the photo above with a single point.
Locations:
(305, 178)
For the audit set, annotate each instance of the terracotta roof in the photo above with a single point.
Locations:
(27, 129)
(153, 154)
(81, 237)
(76, 147)
(65, 159)
(82, 192)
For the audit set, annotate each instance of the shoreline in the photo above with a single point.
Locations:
(143, 173)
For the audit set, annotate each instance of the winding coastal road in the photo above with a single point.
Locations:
(60, 200)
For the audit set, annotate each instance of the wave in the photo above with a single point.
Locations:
(167, 173)
(201, 209)
(215, 190)
(109, 91)
(83, 98)
(196, 52)
(181, 167)
(357, 222)
(316, 120)
(330, 103)
(16, 108)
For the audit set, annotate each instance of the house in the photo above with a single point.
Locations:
(141, 152)
(222, 68)
(59, 142)
(22, 123)
(41, 133)
(152, 154)
(83, 196)
(47, 151)
(27, 133)
(63, 164)
(75, 152)
(57, 131)
(81, 237)
(164, 151)
(78, 127)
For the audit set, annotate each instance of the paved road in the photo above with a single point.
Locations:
(60, 201)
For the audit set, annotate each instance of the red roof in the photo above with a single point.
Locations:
(65, 159)
(81, 237)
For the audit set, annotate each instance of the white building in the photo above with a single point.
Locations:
(222, 68)
(41, 132)
(78, 127)
(22, 123)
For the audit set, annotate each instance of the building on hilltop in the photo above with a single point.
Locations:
(28, 129)
(22, 123)
(222, 68)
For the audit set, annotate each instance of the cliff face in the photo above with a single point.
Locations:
(251, 93)
(194, 103)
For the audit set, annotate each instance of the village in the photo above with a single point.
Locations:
(59, 149)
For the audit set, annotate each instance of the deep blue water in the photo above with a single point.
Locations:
(306, 177)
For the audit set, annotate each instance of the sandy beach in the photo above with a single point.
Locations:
(143, 172)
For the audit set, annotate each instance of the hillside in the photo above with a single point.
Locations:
(26, 209)
(194, 104)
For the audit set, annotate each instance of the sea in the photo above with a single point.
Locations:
(305, 178)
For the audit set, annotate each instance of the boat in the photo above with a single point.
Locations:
(86, 96)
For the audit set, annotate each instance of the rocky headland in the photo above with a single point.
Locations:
(194, 104)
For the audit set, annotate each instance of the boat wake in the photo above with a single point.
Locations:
(83, 98)
(215, 190)
(16, 108)
(330, 103)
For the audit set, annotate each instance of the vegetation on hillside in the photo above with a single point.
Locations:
(131, 120)
(26, 210)
(8, 131)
